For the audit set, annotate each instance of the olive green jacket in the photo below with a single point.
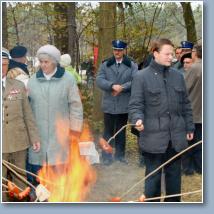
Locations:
(19, 127)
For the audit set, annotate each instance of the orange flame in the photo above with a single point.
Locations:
(70, 182)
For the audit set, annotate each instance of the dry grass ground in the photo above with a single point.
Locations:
(116, 179)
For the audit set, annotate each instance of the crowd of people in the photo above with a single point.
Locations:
(162, 102)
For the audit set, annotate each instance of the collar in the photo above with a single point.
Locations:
(159, 67)
(48, 76)
(4, 82)
(126, 61)
(14, 64)
(58, 74)
(119, 61)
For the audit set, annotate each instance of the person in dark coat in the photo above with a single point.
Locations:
(186, 47)
(114, 79)
(18, 58)
(161, 110)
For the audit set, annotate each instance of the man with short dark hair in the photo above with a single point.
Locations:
(186, 61)
(114, 79)
(160, 108)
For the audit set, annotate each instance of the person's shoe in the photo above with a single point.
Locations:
(198, 171)
(107, 162)
(142, 163)
(122, 160)
(188, 172)
(32, 196)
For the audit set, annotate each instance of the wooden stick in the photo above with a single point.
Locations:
(160, 167)
(19, 176)
(30, 173)
(123, 127)
(174, 195)
(7, 180)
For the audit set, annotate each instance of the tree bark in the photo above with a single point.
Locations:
(60, 26)
(4, 25)
(189, 22)
(107, 29)
(107, 33)
(72, 34)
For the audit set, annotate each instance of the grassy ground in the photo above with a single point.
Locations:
(116, 179)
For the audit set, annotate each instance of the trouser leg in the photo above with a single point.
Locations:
(120, 140)
(153, 183)
(197, 151)
(5, 197)
(19, 159)
(109, 124)
(172, 176)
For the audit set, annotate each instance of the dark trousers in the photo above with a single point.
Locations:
(112, 123)
(192, 160)
(34, 169)
(172, 173)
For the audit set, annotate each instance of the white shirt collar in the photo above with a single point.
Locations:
(4, 81)
(119, 61)
(48, 76)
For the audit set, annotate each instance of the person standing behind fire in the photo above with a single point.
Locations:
(114, 79)
(19, 130)
(160, 108)
(54, 96)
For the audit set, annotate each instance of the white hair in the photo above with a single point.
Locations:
(43, 56)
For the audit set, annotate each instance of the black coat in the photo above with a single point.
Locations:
(159, 98)
(14, 64)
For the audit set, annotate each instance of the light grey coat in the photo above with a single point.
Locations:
(52, 101)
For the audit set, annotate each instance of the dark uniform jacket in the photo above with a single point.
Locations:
(108, 75)
(159, 98)
(19, 127)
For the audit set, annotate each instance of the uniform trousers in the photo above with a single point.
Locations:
(19, 159)
(112, 123)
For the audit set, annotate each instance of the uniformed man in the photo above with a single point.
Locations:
(186, 47)
(19, 128)
(161, 110)
(114, 79)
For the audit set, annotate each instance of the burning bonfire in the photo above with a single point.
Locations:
(71, 182)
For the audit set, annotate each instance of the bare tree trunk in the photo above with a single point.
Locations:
(107, 32)
(72, 34)
(15, 24)
(4, 25)
(189, 22)
(45, 7)
(122, 19)
(60, 27)
(107, 29)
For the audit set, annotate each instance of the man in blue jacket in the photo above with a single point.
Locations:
(161, 110)
(114, 79)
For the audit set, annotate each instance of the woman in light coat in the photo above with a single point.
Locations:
(54, 97)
